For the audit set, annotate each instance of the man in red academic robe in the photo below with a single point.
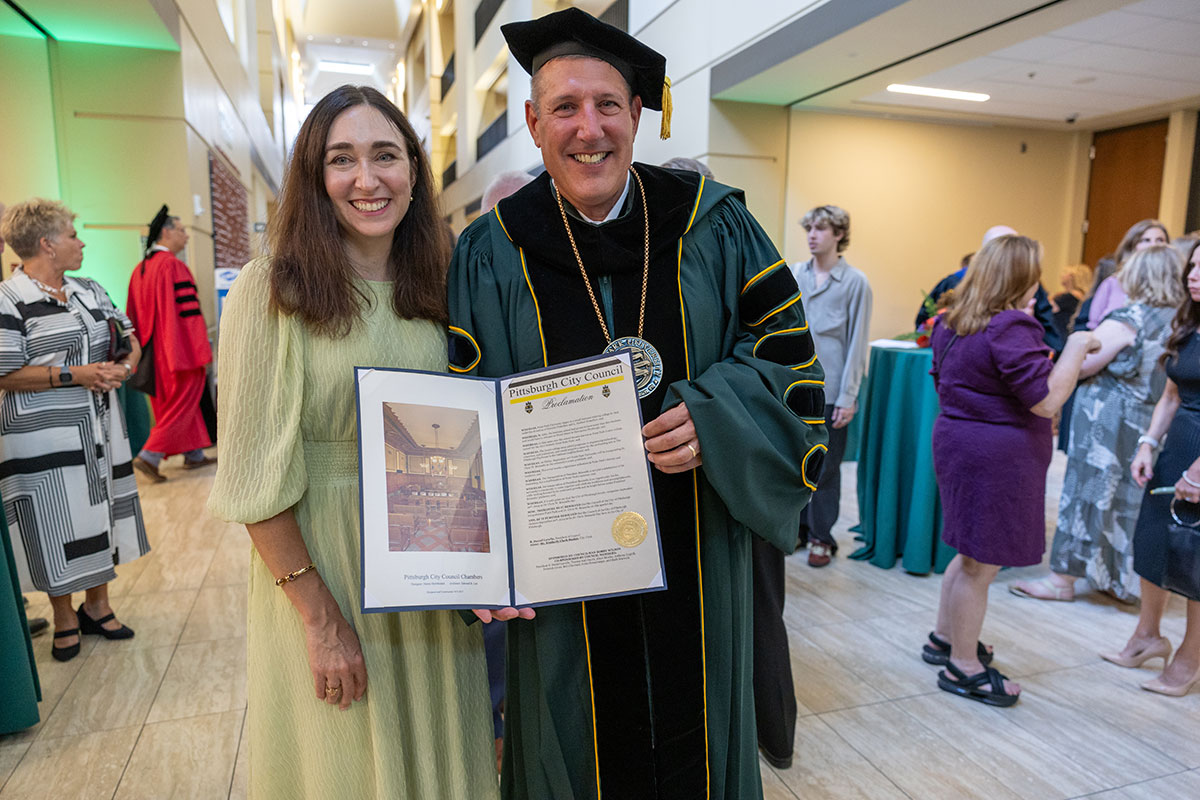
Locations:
(166, 317)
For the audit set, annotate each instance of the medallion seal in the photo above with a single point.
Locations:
(629, 529)
(647, 363)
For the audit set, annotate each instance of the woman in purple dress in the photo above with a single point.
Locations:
(991, 447)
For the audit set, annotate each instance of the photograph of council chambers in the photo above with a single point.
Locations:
(436, 495)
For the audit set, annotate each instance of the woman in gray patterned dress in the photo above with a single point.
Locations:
(1099, 505)
(66, 473)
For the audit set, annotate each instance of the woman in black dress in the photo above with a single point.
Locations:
(1179, 462)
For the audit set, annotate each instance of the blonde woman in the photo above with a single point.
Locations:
(991, 446)
(65, 466)
(1100, 500)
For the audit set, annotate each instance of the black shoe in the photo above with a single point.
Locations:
(96, 626)
(37, 625)
(776, 761)
(68, 652)
(937, 652)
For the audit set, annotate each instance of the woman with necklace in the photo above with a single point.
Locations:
(66, 470)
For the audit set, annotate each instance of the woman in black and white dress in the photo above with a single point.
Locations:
(66, 471)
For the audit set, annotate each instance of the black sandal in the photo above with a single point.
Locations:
(68, 652)
(96, 626)
(937, 652)
(984, 687)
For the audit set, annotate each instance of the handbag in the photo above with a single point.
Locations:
(118, 340)
(143, 379)
(1182, 573)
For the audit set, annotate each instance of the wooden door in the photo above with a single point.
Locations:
(1126, 180)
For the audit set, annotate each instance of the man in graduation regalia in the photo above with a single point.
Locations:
(166, 317)
(647, 696)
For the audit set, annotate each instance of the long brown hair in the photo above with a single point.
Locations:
(1129, 243)
(311, 275)
(1187, 318)
(998, 277)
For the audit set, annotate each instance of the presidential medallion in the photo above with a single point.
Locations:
(647, 363)
(629, 529)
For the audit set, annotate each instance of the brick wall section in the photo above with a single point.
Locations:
(230, 217)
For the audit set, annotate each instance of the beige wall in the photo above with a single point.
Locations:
(920, 196)
(121, 154)
(1177, 170)
(28, 163)
(747, 148)
(116, 131)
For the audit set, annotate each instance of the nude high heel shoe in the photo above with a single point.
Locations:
(1160, 649)
(1158, 686)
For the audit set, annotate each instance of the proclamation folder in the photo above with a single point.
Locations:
(528, 490)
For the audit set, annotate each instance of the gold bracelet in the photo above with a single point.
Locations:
(291, 576)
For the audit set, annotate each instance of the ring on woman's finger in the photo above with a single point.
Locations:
(332, 691)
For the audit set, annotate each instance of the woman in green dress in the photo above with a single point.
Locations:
(341, 704)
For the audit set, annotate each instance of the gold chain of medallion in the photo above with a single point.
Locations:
(645, 261)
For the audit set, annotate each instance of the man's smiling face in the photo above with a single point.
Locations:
(584, 125)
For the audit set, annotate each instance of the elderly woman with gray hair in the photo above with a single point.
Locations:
(66, 471)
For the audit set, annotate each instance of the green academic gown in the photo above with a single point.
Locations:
(651, 696)
(22, 690)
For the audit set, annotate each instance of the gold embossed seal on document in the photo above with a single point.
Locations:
(629, 529)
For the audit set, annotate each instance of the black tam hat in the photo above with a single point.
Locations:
(156, 227)
(576, 32)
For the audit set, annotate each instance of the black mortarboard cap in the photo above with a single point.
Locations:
(576, 32)
(156, 226)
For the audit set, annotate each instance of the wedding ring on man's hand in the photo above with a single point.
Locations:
(695, 452)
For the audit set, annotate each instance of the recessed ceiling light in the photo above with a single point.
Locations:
(365, 43)
(949, 94)
(392, 46)
(337, 40)
(346, 67)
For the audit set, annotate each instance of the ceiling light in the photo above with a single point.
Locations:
(345, 67)
(310, 37)
(949, 94)
(337, 40)
(365, 43)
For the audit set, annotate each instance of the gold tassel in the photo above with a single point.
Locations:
(664, 132)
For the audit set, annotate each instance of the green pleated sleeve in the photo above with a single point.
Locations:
(756, 393)
(261, 471)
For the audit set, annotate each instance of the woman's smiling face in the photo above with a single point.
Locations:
(367, 175)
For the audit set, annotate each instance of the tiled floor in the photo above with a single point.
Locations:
(164, 715)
